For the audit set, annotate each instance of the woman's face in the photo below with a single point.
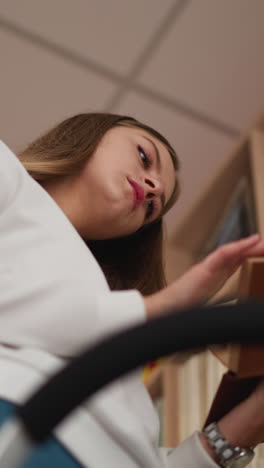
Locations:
(124, 185)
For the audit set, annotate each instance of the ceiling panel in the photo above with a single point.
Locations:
(112, 33)
(38, 89)
(200, 149)
(211, 60)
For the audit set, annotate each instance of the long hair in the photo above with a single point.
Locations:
(131, 262)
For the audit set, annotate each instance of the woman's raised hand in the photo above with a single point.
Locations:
(208, 276)
(205, 278)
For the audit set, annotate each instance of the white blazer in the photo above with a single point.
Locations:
(54, 302)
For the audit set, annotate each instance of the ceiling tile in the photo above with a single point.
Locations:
(211, 60)
(112, 33)
(201, 150)
(38, 89)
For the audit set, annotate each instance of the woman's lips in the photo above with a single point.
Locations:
(138, 193)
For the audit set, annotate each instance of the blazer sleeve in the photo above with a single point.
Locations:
(51, 315)
(53, 293)
(9, 178)
(188, 454)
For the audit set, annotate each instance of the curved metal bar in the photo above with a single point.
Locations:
(118, 354)
(194, 328)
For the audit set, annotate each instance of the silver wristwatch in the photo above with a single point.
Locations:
(229, 456)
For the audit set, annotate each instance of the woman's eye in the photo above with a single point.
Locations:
(143, 157)
(150, 209)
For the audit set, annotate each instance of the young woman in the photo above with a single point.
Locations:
(81, 256)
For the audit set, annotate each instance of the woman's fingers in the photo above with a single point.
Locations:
(205, 278)
(232, 254)
(257, 250)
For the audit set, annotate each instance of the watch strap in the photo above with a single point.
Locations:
(226, 453)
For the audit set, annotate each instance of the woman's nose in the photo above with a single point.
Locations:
(153, 187)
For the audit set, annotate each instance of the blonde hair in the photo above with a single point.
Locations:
(134, 261)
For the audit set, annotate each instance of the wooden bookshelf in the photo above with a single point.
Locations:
(246, 361)
(235, 192)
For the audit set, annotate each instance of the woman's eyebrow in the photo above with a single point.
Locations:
(157, 153)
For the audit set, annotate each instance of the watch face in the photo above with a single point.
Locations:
(241, 460)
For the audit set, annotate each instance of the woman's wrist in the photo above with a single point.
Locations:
(156, 304)
(177, 295)
(240, 430)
